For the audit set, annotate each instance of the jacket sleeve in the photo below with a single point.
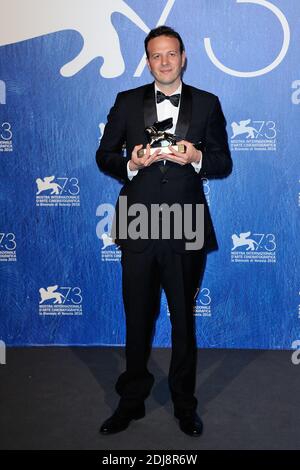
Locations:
(216, 160)
(109, 155)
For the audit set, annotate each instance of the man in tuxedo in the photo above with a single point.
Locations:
(164, 180)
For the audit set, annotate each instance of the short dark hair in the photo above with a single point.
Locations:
(163, 31)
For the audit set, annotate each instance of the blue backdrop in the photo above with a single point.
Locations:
(61, 65)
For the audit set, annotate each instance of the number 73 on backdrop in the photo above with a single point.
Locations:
(209, 50)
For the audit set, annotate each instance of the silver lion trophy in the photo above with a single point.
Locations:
(159, 138)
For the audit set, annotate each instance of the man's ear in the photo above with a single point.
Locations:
(147, 62)
(183, 58)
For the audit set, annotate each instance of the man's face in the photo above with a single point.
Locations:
(165, 61)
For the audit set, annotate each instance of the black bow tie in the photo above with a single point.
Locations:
(174, 99)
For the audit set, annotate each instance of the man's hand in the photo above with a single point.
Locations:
(137, 163)
(191, 155)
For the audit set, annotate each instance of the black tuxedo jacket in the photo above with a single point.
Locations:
(200, 119)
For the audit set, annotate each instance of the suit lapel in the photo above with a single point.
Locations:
(150, 114)
(185, 113)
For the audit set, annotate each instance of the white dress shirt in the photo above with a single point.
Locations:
(166, 110)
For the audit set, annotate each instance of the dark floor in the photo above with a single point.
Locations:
(56, 398)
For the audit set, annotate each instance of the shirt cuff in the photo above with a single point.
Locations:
(197, 166)
(131, 173)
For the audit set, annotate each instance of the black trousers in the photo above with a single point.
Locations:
(143, 275)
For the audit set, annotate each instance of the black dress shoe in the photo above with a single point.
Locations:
(120, 420)
(190, 424)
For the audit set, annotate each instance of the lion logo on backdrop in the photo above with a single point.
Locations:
(107, 241)
(46, 184)
(243, 128)
(242, 240)
(91, 19)
(101, 131)
(50, 294)
(28, 19)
